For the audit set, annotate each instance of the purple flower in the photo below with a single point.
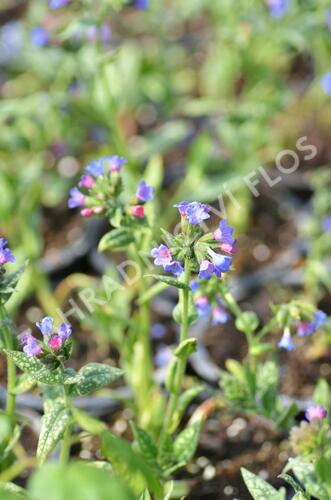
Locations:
(57, 4)
(326, 224)
(39, 36)
(194, 212)
(144, 192)
(163, 355)
(231, 249)
(162, 255)
(86, 181)
(202, 307)
(220, 316)
(64, 331)
(326, 83)
(46, 325)
(206, 270)
(286, 341)
(224, 233)
(115, 163)
(277, 8)
(30, 346)
(194, 286)
(315, 412)
(77, 199)
(306, 329)
(141, 4)
(55, 342)
(105, 33)
(221, 263)
(5, 253)
(96, 168)
(174, 267)
(158, 331)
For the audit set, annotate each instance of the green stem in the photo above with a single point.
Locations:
(11, 369)
(172, 404)
(16, 469)
(66, 445)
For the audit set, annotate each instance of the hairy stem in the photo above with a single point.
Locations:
(172, 404)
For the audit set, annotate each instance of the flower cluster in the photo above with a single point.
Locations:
(99, 189)
(315, 412)
(198, 247)
(303, 329)
(52, 342)
(5, 253)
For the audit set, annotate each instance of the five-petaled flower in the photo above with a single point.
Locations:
(206, 269)
(202, 307)
(5, 253)
(174, 268)
(77, 199)
(195, 212)
(144, 192)
(286, 342)
(222, 263)
(162, 255)
(115, 162)
(30, 345)
(224, 233)
(277, 8)
(306, 329)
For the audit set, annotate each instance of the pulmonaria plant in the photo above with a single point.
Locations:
(54, 343)
(193, 244)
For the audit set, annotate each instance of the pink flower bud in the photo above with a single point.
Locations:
(137, 211)
(87, 212)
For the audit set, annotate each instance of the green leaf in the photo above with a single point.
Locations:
(151, 292)
(285, 420)
(260, 489)
(186, 348)
(35, 368)
(91, 425)
(186, 443)
(11, 491)
(305, 473)
(128, 465)
(168, 280)
(24, 384)
(94, 376)
(145, 444)
(296, 486)
(184, 400)
(321, 394)
(170, 378)
(8, 284)
(166, 457)
(53, 425)
(323, 470)
(116, 239)
(76, 481)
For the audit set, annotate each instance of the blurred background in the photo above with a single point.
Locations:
(214, 89)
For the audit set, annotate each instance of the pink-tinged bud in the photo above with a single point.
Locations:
(315, 412)
(86, 181)
(87, 212)
(229, 248)
(55, 342)
(137, 211)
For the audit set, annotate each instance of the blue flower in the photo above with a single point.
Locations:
(202, 307)
(206, 270)
(31, 346)
(46, 325)
(115, 163)
(162, 255)
(194, 286)
(144, 192)
(194, 212)
(158, 331)
(163, 355)
(96, 168)
(326, 83)
(64, 331)
(57, 4)
(220, 316)
(77, 199)
(326, 224)
(141, 4)
(306, 329)
(174, 267)
(6, 254)
(277, 8)
(221, 263)
(286, 341)
(39, 36)
(224, 233)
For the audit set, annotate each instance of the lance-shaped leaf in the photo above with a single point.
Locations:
(94, 376)
(53, 425)
(116, 239)
(186, 348)
(91, 425)
(35, 368)
(186, 443)
(145, 444)
(260, 489)
(8, 284)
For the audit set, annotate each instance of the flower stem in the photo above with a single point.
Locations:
(66, 445)
(11, 369)
(172, 404)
